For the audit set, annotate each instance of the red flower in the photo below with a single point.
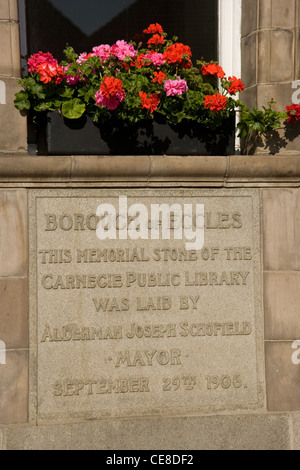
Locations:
(111, 87)
(154, 28)
(293, 112)
(213, 69)
(178, 53)
(215, 102)
(235, 85)
(41, 57)
(150, 102)
(139, 62)
(48, 70)
(156, 39)
(159, 77)
(60, 76)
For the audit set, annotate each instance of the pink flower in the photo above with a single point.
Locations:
(102, 51)
(40, 58)
(155, 57)
(83, 57)
(72, 79)
(122, 49)
(112, 102)
(175, 87)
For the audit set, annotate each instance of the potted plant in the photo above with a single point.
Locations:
(141, 97)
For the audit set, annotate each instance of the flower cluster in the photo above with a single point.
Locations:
(111, 93)
(46, 66)
(293, 113)
(213, 70)
(134, 82)
(215, 102)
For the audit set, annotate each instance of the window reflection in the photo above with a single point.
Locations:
(51, 24)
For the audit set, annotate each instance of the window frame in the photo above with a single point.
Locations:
(229, 44)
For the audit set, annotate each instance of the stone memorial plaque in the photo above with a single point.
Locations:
(134, 313)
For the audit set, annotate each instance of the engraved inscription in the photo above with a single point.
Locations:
(71, 387)
(148, 357)
(141, 327)
(224, 381)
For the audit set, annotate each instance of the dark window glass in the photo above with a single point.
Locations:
(51, 24)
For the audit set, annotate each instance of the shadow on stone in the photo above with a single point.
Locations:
(292, 131)
(274, 142)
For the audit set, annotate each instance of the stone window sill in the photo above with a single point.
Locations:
(242, 170)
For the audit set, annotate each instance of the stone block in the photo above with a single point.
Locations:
(282, 59)
(14, 312)
(265, 14)
(201, 167)
(13, 233)
(282, 305)
(249, 16)
(249, 96)
(297, 59)
(4, 10)
(277, 14)
(91, 167)
(13, 10)
(248, 45)
(13, 126)
(283, 14)
(15, 50)
(259, 167)
(14, 387)
(264, 56)
(227, 432)
(275, 61)
(281, 93)
(282, 376)
(296, 431)
(281, 218)
(9, 10)
(10, 59)
(6, 68)
(24, 167)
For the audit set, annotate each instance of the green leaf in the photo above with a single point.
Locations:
(257, 126)
(38, 90)
(73, 109)
(21, 102)
(67, 92)
(180, 116)
(70, 54)
(243, 131)
(44, 106)
(29, 82)
(21, 95)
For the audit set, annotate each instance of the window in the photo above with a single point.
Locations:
(50, 24)
(210, 27)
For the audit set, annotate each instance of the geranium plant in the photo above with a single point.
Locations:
(136, 81)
